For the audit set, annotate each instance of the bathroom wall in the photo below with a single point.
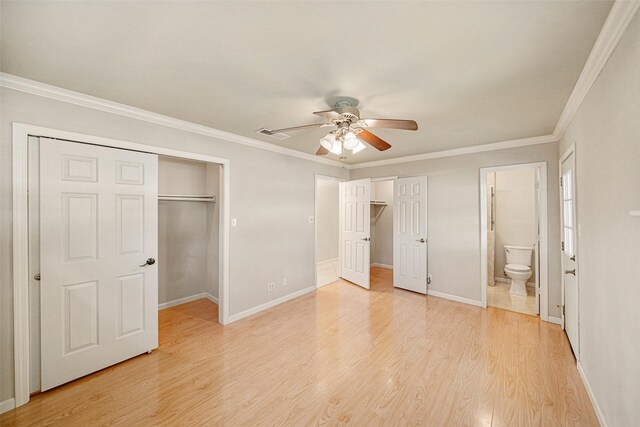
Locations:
(327, 225)
(515, 213)
(382, 224)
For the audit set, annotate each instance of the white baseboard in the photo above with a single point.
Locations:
(270, 304)
(554, 319)
(594, 402)
(377, 264)
(211, 298)
(7, 405)
(187, 299)
(454, 298)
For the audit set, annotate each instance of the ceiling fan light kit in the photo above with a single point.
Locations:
(350, 132)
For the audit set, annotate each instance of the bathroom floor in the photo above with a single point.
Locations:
(499, 296)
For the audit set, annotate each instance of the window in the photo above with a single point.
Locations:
(567, 210)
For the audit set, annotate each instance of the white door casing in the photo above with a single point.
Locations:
(98, 225)
(536, 249)
(410, 234)
(569, 261)
(355, 231)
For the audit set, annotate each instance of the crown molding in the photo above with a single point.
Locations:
(514, 143)
(618, 20)
(10, 81)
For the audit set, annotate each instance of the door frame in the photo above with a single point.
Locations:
(319, 177)
(542, 279)
(571, 150)
(20, 210)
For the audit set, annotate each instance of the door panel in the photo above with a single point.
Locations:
(81, 316)
(410, 234)
(98, 224)
(569, 262)
(355, 208)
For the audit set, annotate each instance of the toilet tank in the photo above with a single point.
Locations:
(518, 254)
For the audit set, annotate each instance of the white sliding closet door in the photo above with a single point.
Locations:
(355, 231)
(410, 234)
(98, 228)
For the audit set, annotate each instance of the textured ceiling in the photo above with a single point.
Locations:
(468, 72)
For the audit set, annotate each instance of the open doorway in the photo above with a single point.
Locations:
(513, 235)
(382, 224)
(327, 201)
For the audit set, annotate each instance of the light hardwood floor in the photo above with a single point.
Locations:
(341, 355)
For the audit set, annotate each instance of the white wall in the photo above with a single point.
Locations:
(454, 214)
(515, 214)
(382, 223)
(272, 196)
(606, 133)
(328, 227)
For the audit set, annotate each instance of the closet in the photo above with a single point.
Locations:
(382, 224)
(188, 212)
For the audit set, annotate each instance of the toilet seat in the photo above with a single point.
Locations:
(517, 268)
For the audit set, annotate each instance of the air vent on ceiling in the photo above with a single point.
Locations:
(267, 132)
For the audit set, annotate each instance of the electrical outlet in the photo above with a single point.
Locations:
(271, 287)
(311, 220)
(284, 282)
(234, 222)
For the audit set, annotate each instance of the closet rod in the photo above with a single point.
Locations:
(186, 198)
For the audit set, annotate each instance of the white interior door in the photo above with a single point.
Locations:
(410, 234)
(569, 264)
(355, 230)
(98, 228)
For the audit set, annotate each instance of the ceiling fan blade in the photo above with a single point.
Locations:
(390, 124)
(322, 151)
(373, 140)
(266, 131)
(329, 114)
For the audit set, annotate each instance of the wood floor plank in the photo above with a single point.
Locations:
(341, 355)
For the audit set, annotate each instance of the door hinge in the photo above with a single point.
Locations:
(563, 311)
(562, 246)
(560, 181)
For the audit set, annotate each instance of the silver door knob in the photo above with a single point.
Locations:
(366, 239)
(570, 272)
(150, 261)
(420, 240)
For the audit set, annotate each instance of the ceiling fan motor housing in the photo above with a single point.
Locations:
(350, 114)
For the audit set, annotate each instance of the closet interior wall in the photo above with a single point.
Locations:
(188, 232)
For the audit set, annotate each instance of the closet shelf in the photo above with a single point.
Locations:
(378, 203)
(187, 198)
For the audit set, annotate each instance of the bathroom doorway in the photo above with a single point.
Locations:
(514, 238)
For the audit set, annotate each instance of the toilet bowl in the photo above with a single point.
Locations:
(518, 267)
(519, 275)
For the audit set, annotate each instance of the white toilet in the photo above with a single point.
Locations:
(518, 267)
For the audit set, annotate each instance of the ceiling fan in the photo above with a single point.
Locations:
(350, 130)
